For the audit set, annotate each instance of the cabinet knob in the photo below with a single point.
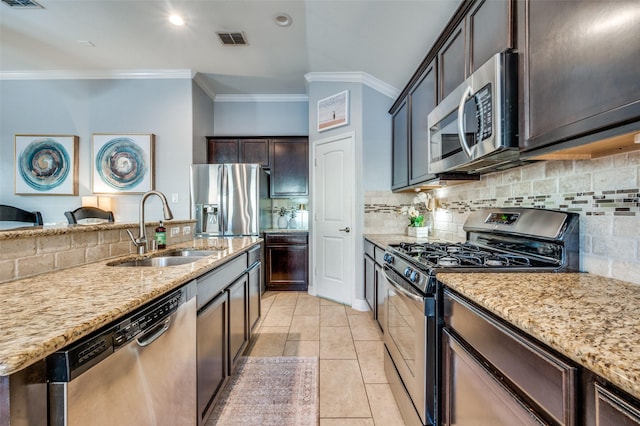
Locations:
(347, 229)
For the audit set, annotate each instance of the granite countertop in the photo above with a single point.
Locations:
(44, 313)
(593, 320)
(285, 231)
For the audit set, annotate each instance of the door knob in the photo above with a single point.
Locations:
(347, 229)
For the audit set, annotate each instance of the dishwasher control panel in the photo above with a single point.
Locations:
(129, 328)
(68, 363)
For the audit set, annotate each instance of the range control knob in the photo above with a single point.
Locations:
(407, 272)
(414, 277)
(388, 258)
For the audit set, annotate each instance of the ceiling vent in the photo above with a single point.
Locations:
(232, 39)
(23, 4)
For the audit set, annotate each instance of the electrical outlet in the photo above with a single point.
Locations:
(186, 230)
(174, 197)
(175, 231)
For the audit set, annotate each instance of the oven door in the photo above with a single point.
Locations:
(477, 120)
(410, 338)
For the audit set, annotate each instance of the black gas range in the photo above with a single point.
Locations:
(498, 240)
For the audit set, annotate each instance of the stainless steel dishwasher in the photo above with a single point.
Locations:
(140, 370)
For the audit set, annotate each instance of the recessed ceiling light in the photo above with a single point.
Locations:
(283, 20)
(176, 20)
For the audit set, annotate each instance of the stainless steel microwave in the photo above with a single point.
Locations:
(475, 128)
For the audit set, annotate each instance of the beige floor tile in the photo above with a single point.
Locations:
(342, 393)
(307, 306)
(383, 406)
(302, 348)
(286, 298)
(279, 316)
(269, 341)
(371, 358)
(304, 327)
(351, 311)
(333, 316)
(347, 422)
(329, 302)
(364, 328)
(266, 302)
(336, 343)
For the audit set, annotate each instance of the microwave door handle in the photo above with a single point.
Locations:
(463, 139)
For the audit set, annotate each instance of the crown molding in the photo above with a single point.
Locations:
(353, 77)
(204, 85)
(261, 98)
(95, 75)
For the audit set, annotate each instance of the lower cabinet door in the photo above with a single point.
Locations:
(255, 275)
(211, 346)
(613, 410)
(238, 317)
(473, 395)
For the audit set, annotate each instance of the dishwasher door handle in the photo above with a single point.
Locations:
(153, 334)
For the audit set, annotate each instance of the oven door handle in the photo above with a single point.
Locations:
(404, 291)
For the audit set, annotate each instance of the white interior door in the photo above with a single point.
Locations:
(333, 247)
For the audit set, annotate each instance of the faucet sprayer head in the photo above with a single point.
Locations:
(167, 211)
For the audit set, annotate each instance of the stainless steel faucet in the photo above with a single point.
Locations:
(141, 241)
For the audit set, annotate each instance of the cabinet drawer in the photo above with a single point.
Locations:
(540, 375)
(379, 255)
(287, 239)
(212, 283)
(253, 255)
(369, 248)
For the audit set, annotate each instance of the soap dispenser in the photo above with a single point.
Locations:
(161, 236)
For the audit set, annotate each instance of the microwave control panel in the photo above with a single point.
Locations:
(484, 112)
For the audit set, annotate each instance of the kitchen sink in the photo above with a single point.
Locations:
(159, 261)
(192, 253)
(171, 258)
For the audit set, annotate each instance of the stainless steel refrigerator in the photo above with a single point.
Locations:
(226, 199)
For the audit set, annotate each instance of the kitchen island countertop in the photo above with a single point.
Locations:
(593, 320)
(46, 312)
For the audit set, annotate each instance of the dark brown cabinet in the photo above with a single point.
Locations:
(226, 150)
(422, 101)
(238, 320)
(400, 147)
(582, 60)
(289, 167)
(489, 31)
(451, 62)
(222, 151)
(287, 261)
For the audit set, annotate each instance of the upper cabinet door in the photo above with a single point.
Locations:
(400, 147)
(451, 62)
(582, 60)
(222, 151)
(489, 31)
(254, 151)
(423, 100)
(289, 167)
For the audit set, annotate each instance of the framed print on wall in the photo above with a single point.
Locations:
(333, 111)
(123, 163)
(46, 165)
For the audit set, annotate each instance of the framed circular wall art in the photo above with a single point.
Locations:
(123, 163)
(46, 165)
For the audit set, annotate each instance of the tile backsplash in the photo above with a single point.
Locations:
(604, 192)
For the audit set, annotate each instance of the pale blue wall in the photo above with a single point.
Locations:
(286, 118)
(84, 107)
(203, 123)
(376, 141)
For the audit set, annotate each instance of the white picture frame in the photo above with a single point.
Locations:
(333, 111)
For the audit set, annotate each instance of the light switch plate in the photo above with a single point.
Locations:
(175, 231)
(186, 230)
(174, 197)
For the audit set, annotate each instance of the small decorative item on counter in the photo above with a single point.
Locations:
(161, 236)
(293, 224)
(282, 220)
(422, 201)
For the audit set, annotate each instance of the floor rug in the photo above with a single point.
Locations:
(270, 391)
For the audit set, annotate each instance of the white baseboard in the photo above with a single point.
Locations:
(360, 305)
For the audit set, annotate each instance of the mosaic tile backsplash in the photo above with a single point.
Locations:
(605, 192)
